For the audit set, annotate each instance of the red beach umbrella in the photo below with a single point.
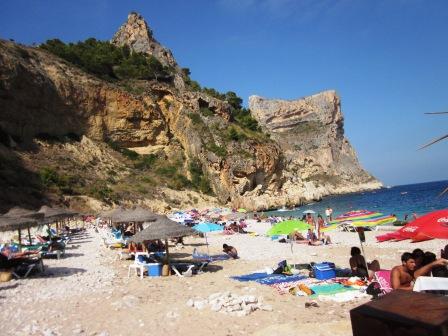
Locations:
(435, 227)
(430, 226)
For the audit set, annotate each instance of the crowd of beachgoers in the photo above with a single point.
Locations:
(224, 270)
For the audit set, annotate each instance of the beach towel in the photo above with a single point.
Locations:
(383, 278)
(268, 279)
(284, 287)
(250, 277)
(330, 289)
(279, 278)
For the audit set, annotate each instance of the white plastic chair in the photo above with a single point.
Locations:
(137, 265)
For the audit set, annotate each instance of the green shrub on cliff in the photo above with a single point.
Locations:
(146, 161)
(101, 191)
(130, 154)
(51, 179)
(198, 180)
(234, 135)
(108, 61)
(218, 150)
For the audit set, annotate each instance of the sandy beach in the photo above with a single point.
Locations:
(89, 292)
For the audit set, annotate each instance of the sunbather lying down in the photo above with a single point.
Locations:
(298, 238)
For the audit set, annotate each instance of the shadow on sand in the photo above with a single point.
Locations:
(71, 254)
(213, 268)
(79, 241)
(9, 286)
(51, 272)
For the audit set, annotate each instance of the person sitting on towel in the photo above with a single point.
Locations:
(358, 264)
(230, 250)
(312, 239)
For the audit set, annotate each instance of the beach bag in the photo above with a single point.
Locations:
(374, 289)
(283, 268)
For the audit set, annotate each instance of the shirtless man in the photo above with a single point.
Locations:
(230, 250)
(402, 277)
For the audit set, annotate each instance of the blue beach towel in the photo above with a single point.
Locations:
(268, 279)
(279, 278)
(250, 277)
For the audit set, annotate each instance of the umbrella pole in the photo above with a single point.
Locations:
(29, 236)
(20, 240)
(206, 241)
(365, 259)
(167, 252)
(361, 236)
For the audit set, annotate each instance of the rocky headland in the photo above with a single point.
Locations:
(70, 136)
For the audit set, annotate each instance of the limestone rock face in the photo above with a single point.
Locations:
(137, 35)
(40, 94)
(318, 159)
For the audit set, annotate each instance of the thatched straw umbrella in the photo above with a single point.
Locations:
(138, 214)
(162, 228)
(18, 212)
(10, 224)
(53, 215)
(112, 212)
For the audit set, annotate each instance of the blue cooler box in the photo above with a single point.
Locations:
(154, 269)
(324, 271)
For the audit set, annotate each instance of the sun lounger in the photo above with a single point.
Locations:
(46, 249)
(22, 267)
(177, 269)
(210, 258)
(180, 267)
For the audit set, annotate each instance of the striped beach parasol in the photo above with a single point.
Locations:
(362, 218)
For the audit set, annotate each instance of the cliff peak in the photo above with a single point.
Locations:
(138, 36)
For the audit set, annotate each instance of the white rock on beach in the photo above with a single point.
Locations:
(230, 303)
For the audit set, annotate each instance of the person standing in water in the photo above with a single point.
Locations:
(327, 214)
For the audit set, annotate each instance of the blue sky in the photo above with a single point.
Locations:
(387, 59)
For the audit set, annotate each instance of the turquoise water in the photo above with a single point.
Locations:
(400, 200)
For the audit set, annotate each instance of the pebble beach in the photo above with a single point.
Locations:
(88, 292)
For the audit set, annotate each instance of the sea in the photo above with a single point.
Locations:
(400, 201)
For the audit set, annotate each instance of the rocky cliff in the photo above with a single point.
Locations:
(318, 159)
(185, 140)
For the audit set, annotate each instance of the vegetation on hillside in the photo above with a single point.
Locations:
(240, 114)
(169, 172)
(107, 61)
